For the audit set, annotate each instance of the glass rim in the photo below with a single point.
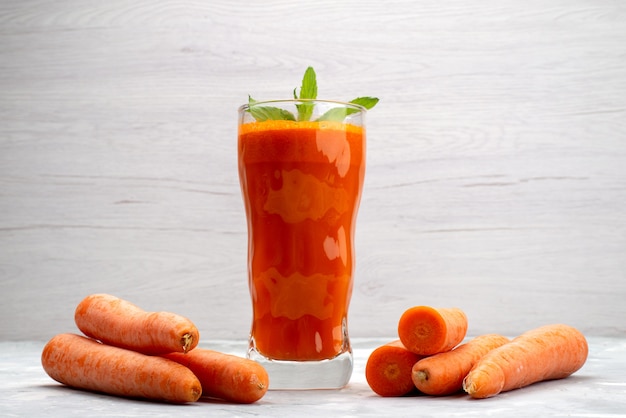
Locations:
(246, 106)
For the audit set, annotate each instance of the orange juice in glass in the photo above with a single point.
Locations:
(301, 183)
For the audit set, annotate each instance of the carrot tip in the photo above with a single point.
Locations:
(186, 342)
(469, 388)
(422, 375)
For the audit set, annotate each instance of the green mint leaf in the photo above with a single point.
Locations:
(263, 113)
(308, 91)
(338, 114)
(366, 102)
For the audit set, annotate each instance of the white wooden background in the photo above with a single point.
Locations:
(496, 177)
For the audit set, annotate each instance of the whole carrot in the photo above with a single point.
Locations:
(425, 330)
(225, 376)
(388, 369)
(443, 373)
(117, 322)
(83, 363)
(545, 353)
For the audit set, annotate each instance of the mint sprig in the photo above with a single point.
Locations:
(308, 91)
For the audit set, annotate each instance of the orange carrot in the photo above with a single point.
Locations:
(443, 373)
(388, 370)
(425, 330)
(118, 322)
(84, 363)
(545, 353)
(225, 376)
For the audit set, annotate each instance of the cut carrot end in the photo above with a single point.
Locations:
(388, 370)
(421, 329)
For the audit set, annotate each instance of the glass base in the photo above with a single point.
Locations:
(323, 374)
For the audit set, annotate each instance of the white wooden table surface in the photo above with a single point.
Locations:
(596, 390)
(496, 177)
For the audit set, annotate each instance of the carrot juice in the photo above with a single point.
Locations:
(301, 183)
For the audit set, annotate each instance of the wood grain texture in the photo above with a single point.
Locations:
(495, 182)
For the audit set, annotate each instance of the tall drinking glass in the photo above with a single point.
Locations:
(301, 183)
